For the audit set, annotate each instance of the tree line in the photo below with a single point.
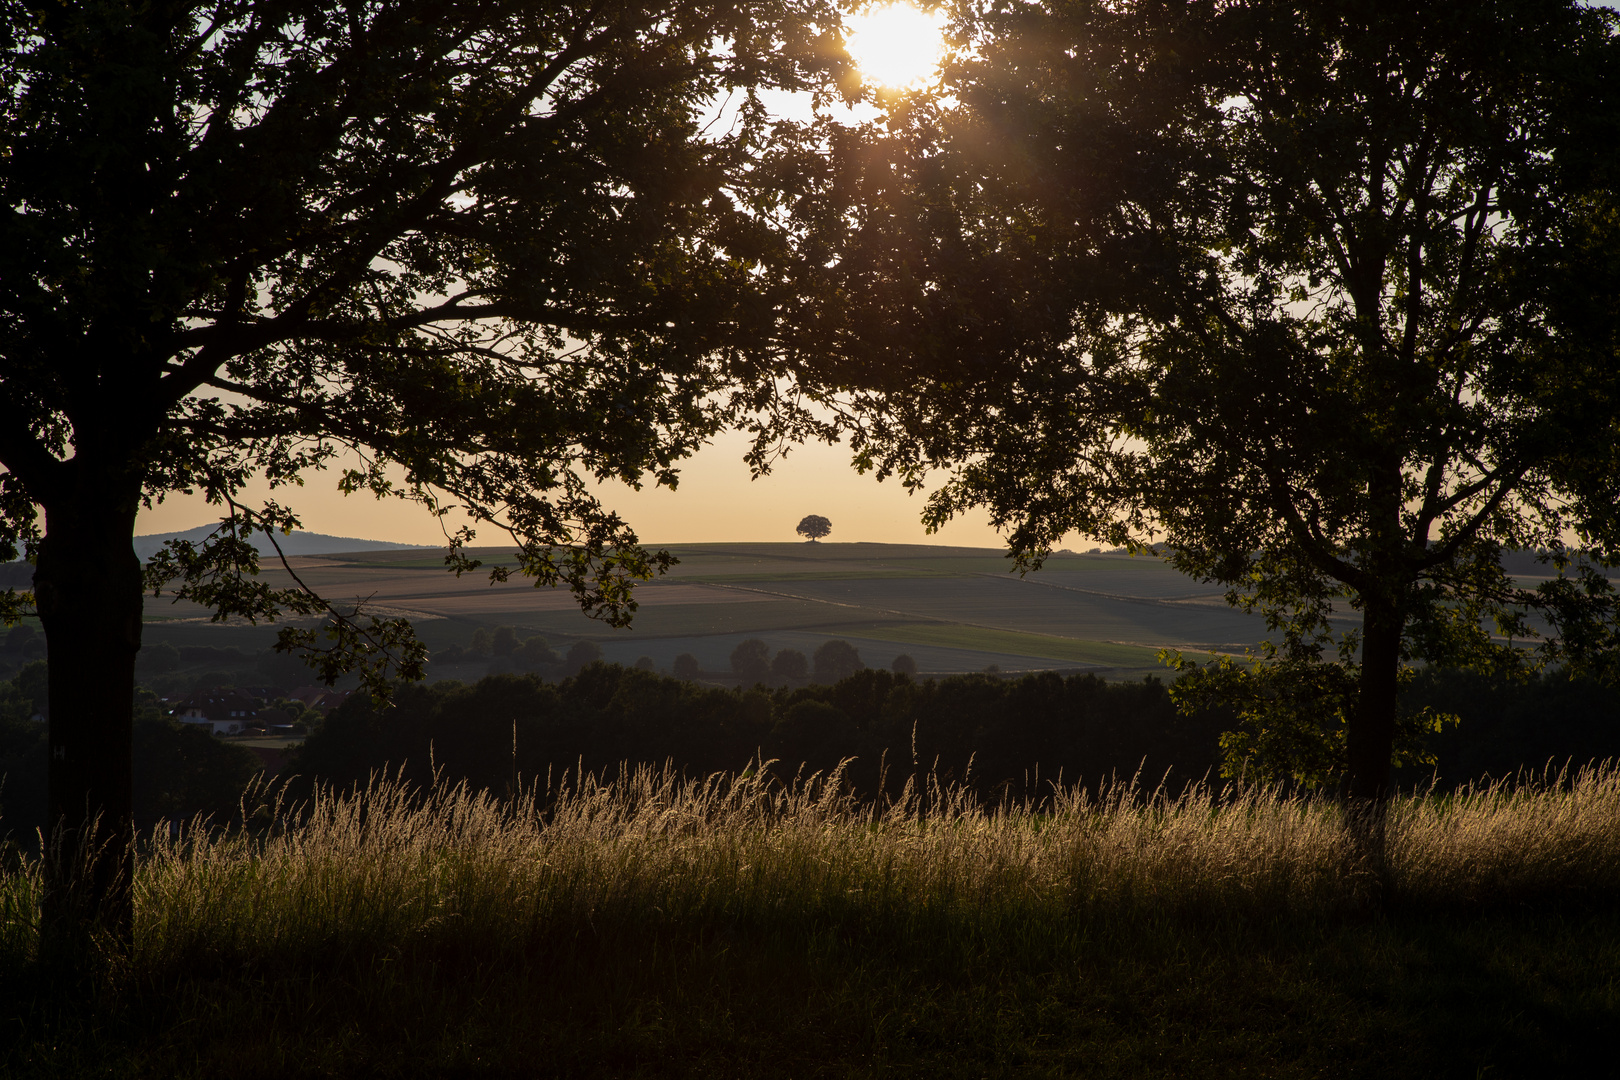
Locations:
(1002, 737)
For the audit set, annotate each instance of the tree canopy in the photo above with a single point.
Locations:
(477, 255)
(1319, 300)
(813, 527)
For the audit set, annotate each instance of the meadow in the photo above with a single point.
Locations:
(650, 925)
(951, 609)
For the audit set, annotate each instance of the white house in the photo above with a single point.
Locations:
(222, 711)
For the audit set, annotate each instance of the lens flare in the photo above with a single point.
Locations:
(897, 45)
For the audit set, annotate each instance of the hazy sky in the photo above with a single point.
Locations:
(716, 502)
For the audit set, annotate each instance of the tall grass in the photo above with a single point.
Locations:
(449, 870)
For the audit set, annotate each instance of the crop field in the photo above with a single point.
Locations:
(952, 609)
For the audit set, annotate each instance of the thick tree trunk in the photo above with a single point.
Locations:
(1371, 735)
(87, 583)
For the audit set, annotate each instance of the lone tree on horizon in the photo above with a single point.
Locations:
(815, 527)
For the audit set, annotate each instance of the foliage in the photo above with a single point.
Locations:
(903, 665)
(1317, 302)
(503, 260)
(751, 662)
(789, 667)
(1293, 715)
(160, 658)
(180, 770)
(183, 771)
(504, 641)
(534, 652)
(29, 690)
(998, 735)
(1510, 727)
(686, 666)
(836, 660)
(478, 255)
(813, 527)
(581, 653)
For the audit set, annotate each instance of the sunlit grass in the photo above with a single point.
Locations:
(574, 917)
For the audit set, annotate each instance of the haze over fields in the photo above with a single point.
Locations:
(951, 609)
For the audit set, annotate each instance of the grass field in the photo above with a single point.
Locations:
(1101, 654)
(954, 609)
(655, 927)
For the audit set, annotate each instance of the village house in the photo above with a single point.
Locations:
(223, 711)
(323, 699)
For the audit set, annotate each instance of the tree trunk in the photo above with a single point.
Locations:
(1371, 736)
(87, 584)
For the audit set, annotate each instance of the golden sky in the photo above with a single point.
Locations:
(895, 45)
(716, 502)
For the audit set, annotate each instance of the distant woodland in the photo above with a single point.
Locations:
(1003, 737)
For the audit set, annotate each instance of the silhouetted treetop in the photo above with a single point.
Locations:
(479, 255)
(1320, 299)
(813, 527)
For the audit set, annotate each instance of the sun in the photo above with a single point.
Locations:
(896, 45)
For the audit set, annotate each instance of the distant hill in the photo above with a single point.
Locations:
(20, 575)
(299, 543)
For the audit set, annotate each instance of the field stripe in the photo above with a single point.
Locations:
(1015, 643)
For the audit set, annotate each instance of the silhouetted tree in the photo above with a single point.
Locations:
(488, 249)
(836, 660)
(903, 665)
(686, 667)
(534, 652)
(790, 668)
(503, 641)
(814, 526)
(1318, 301)
(182, 770)
(160, 657)
(751, 662)
(582, 653)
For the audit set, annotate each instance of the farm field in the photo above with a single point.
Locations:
(951, 609)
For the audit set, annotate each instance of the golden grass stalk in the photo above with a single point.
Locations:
(387, 868)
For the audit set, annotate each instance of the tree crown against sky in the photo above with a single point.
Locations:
(813, 527)
(1322, 299)
(478, 255)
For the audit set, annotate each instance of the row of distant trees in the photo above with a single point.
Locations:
(504, 647)
(833, 661)
(751, 661)
(1013, 731)
(1000, 736)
